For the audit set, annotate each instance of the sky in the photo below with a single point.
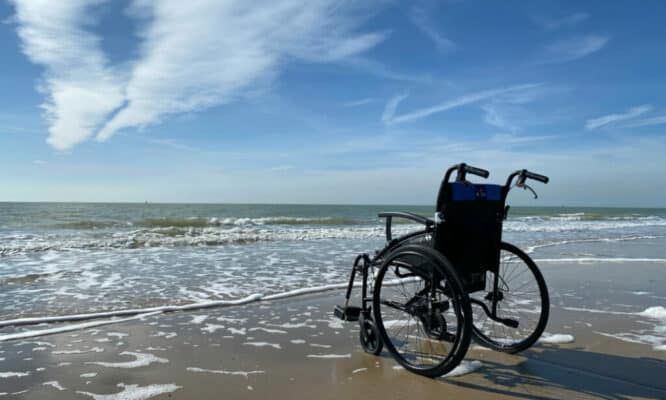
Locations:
(341, 102)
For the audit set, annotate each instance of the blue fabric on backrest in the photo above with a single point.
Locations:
(468, 192)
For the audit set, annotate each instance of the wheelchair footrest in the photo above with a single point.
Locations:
(349, 313)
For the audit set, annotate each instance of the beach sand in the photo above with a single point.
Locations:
(293, 348)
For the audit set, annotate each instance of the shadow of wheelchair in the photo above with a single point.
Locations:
(554, 373)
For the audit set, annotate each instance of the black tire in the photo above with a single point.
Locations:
(516, 272)
(371, 342)
(404, 297)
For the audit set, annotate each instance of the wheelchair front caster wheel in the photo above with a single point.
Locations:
(369, 336)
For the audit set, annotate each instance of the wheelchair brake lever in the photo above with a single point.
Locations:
(527, 187)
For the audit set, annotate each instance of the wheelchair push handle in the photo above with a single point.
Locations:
(523, 175)
(463, 169)
(536, 177)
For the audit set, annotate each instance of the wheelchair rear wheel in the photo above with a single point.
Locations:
(421, 310)
(522, 297)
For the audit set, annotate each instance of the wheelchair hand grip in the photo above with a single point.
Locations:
(476, 171)
(536, 177)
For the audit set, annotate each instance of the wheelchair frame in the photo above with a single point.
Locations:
(432, 227)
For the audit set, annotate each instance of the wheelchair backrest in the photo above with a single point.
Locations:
(471, 231)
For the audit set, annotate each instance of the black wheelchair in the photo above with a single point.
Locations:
(428, 292)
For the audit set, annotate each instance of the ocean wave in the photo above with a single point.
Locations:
(203, 222)
(192, 237)
(576, 224)
(197, 232)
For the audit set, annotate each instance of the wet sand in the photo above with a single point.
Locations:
(293, 348)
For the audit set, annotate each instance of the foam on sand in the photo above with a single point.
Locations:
(13, 374)
(225, 372)
(263, 344)
(134, 392)
(120, 313)
(78, 351)
(141, 360)
(657, 312)
(54, 384)
(267, 330)
(348, 355)
(591, 260)
(557, 338)
(465, 367)
(71, 327)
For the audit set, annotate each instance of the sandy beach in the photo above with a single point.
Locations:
(293, 348)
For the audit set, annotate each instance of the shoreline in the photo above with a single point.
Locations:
(293, 348)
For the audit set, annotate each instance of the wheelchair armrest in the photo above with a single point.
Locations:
(403, 214)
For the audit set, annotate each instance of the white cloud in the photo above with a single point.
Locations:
(618, 117)
(495, 117)
(422, 21)
(359, 102)
(204, 53)
(567, 21)
(193, 55)
(660, 120)
(80, 87)
(571, 49)
(391, 106)
(389, 117)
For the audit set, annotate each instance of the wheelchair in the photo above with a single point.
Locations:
(428, 292)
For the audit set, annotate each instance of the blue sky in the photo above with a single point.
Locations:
(330, 101)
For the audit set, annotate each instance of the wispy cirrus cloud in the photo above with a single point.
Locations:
(359, 102)
(80, 86)
(389, 116)
(633, 112)
(391, 107)
(493, 115)
(659, 120)
(197, 56)
(193, 55)
(563, 22)
(570, 49)
(422, 21)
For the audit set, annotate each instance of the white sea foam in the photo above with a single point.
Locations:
(557, 338)
(14, 374)
(135, 392)
(118, 313)
(356, 371)
(198, 319)
(591, 260)
(79, 351)
(54, 384)
(267, 330)
(348, 355)
(263, 344)
(465, 367)
(68, 328)
(140, 360)
(225, 372)
(211, 328)
(657, 312)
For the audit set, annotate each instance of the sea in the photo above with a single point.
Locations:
(70, 258)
